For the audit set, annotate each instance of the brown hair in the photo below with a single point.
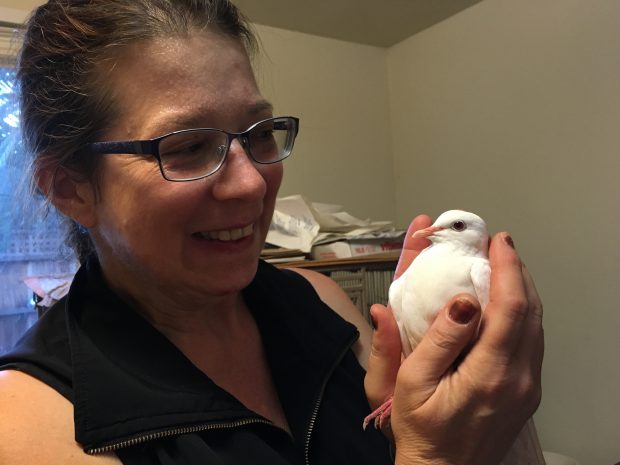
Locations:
(64, 102)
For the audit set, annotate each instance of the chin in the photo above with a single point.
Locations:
(229, 279)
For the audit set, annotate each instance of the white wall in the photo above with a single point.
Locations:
(512, 109)
(339, 90)
(9, 44)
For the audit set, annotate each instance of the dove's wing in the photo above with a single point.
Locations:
(423, 289)
(481, 280)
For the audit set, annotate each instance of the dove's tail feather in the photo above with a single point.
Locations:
(526, 449)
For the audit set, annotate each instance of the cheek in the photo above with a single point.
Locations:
(276, 177)
(272, 174)
(133, 201)
(273, 178)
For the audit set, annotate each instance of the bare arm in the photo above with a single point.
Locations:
(333, 295)
(36, 425)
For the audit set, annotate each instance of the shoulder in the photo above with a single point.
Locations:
(327, 289)
(36, 425)
(333, 295)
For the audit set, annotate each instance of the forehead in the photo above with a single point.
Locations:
(161, 84)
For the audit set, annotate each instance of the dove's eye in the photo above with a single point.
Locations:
(459, 226)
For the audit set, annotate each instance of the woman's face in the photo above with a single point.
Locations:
(191, 238)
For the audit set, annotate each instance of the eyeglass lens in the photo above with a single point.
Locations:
(200, 152)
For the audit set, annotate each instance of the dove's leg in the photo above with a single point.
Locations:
(380, 416)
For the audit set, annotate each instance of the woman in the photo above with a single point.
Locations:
(175, 344)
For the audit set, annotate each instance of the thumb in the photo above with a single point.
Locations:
(385, 356)
(447, 338)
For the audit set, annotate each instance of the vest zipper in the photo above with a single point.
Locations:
(154, 435)
(317, 404)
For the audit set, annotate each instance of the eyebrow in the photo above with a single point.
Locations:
(195, 120)
(260, 106)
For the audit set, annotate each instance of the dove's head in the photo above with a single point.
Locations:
(461, 229)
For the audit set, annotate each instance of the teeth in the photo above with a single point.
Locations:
(230, 234)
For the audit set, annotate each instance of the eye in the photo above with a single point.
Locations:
(264, 135)
(459, 226)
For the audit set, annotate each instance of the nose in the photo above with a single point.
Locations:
(239, 177)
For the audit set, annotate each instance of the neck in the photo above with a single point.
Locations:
(186, 315)
(204, 318)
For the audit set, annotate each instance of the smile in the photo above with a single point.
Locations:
(228, 234)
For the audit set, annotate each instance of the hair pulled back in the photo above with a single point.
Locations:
(64, 102)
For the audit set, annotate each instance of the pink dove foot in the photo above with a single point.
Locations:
(381, 416)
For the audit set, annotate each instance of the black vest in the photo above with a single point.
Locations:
(135, 393)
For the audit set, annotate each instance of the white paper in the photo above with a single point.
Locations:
(293, 225)
(300, 224)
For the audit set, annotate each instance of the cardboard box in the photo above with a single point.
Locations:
(354, 248)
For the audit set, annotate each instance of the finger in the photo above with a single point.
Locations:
(385, 356)
(446, 339)
(413, 246)
(508, 307)
(533, 345)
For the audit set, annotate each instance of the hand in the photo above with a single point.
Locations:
(468, 412)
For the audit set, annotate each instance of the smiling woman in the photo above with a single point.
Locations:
(171, 313)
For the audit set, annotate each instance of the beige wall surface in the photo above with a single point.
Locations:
(343, 154)
(512, 109)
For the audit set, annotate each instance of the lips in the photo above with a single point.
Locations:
(227, 235)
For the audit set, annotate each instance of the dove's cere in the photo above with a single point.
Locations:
(455, 262)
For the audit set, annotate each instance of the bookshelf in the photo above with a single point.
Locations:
(365, 279)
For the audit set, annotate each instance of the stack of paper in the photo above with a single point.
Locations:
(300, 225)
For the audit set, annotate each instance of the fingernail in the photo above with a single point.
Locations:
(373, 320)
(508, 240)
(462, 311)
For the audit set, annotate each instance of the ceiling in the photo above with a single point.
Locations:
(374, 22)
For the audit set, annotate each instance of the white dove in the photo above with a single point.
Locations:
(455, 262)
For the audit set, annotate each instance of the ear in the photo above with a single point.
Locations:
(70, 194)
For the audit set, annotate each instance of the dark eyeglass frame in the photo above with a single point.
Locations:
(151, 146)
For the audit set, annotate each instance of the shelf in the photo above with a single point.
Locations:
(382, 260)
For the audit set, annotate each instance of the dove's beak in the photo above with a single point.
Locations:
(426, 232)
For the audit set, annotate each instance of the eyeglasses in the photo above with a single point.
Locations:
(193, 154)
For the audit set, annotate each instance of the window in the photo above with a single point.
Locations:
(31, 244)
